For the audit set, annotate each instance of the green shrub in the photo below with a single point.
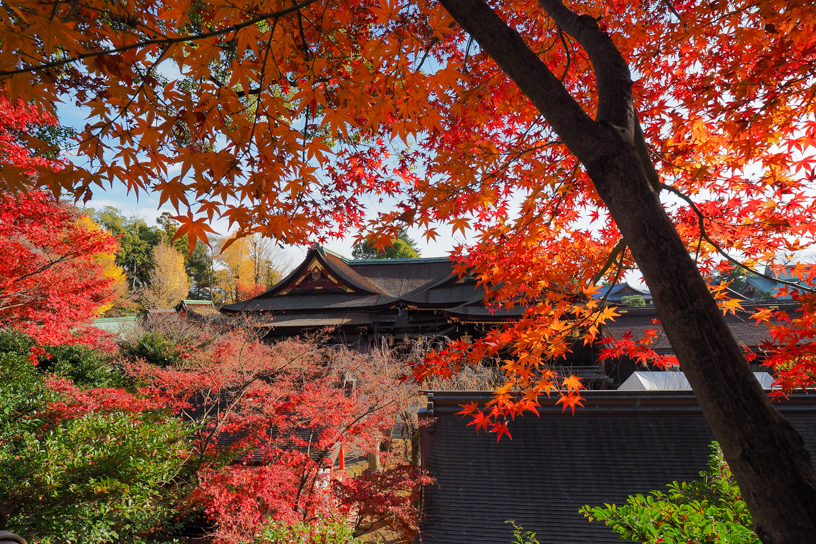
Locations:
(23, 397)
(318, 532)
(93, 479)
(99, 478)
(521, 536)
(155, 348)
(710, 511)
(82, 365)
(633, 301)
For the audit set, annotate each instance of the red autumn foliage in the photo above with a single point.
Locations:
(74, 402)
(271, 420)
(17, 120)
(50, 282)
(245, 291)
(523, 106)
(50, 285)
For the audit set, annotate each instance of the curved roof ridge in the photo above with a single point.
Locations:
(416, 260)
(338, 265)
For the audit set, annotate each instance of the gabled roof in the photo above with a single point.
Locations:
(200, 308)
(327, 282)
(620, 290)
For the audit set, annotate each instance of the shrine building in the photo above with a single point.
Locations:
(370, 303)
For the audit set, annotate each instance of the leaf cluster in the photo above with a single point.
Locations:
(319, 531)
(399, 247)
(705, 512)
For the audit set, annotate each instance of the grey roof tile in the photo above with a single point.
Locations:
(557, 463)
(638, 321)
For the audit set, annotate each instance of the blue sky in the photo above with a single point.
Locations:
(146, 206)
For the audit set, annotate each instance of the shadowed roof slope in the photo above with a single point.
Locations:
(620, 444)
(638, 320)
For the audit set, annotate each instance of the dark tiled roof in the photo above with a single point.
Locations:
(638, 321)
(446, 295)
(343, 270)
(401, 277)
(375, 283)
(557, 463)
(310, 300)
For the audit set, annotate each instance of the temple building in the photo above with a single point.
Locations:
(371, 303)
(388, 303)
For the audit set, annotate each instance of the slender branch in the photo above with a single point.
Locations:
(566, 52)
(619, 247)
(704, 235)
(165, 42)
(306, 50)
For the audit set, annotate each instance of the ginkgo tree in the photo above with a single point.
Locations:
(577, 140)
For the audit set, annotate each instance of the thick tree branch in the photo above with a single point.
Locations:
(506, 47)
(767, 455)
(615, 103)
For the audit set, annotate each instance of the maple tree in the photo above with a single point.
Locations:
(271, 419)
(57, 271)
(286, 118)
(53, 276)
(110, 270)
(246, 432)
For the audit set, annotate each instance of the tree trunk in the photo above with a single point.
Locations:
(767, 456)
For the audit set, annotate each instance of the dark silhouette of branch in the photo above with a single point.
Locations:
(163, 41)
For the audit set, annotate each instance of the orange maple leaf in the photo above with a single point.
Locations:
(468, 409)
(573, 383)
(195, 229)
(572, 400)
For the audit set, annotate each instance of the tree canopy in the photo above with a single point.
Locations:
(519, 120)
(57, 270)
(401, 247)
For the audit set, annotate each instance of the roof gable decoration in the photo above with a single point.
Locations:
(314, 277)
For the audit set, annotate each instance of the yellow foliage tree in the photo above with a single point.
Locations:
(110, 270)
(247, 266)
(169, 283)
